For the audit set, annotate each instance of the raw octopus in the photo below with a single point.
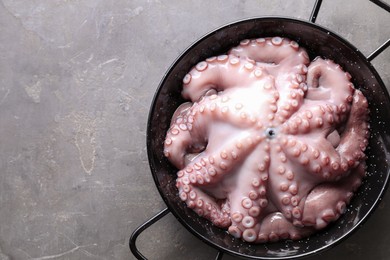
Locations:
(270, 145)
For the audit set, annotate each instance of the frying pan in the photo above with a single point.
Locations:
(318, 41)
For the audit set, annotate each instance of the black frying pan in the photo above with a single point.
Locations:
(317, 41)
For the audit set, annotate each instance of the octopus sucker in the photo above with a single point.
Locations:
(270, 145)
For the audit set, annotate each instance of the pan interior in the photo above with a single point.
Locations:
(318, 42)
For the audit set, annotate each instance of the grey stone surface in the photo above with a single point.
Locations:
(76, 82)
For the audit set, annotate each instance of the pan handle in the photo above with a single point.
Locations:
(314, 12)
(140, 229)
(219, 255)
(148, 223)
(380, 3)
(379, 50)
(384, 46)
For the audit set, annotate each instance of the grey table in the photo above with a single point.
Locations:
(76, 82)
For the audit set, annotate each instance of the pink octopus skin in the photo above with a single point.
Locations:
(270, 145)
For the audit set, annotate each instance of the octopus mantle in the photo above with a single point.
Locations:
(271, 145)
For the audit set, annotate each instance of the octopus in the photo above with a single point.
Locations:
(270, 145)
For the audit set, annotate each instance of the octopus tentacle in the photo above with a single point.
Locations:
(289, 185)
(191, 129)
(354, 139)
(326, 202)
(331, 160)
(283, 59)
(182, 138)
(315, 117)
(327, 81)
(219, 73)
(204, 205)
(195, 198)
(193, 126)
(207, 169)
(275, 226)
(290, 101)
(217, 161)
(248, 200)
(272, 51)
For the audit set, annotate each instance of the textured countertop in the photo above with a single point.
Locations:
(76, 82)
